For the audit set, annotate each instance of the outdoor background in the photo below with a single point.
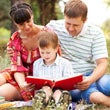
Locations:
(44, 11)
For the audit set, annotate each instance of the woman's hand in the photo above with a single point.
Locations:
(84, 84)
(27, 86)
(10, 51)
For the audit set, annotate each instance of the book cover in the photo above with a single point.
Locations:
(63, 83)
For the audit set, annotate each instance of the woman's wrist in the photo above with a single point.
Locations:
(23, 84)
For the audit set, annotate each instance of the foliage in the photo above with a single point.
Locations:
(36, 11)
(106, 29)
(4, 34)
(4, 61)
(4, 13)
(107, 2)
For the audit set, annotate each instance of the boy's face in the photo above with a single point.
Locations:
(74, 25)
(48, 54)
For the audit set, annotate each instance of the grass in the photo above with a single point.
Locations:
(79, 107)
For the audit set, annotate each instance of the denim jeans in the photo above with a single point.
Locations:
(101, 85)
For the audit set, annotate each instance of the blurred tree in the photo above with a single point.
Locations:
(106, 27)
(44, 11)
(107, 1)
(106, 24)
(4, 13)
(47, 10)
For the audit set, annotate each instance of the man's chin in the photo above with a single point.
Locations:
(73, 34)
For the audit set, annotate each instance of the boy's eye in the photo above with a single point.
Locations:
(48, 52)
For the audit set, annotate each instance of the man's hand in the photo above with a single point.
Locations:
(84, 84)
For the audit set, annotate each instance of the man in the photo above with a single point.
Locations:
(85, 46)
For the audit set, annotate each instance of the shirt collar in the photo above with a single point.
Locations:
(82, 33)
(83, 29)
(56, 62)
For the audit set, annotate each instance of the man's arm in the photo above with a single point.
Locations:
(100, 69)
(98, 72)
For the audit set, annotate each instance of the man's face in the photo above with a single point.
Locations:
(74, 25)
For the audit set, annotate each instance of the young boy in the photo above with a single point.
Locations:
(52, 66)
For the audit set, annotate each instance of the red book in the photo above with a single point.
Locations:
(63, 83)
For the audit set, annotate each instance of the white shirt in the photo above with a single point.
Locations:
(60, 68)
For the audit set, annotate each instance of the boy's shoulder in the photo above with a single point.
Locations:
(64, 60)
(38, 61)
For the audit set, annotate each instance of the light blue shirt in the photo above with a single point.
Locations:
(60, 68)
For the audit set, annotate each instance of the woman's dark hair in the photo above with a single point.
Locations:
(21, 12)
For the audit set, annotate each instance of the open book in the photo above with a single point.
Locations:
(63, 83)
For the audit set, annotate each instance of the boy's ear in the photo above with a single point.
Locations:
(56, 49)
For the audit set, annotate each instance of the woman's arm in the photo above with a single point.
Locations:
(20, 79)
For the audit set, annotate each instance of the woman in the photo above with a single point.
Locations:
(12, 81)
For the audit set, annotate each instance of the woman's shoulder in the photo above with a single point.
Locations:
(15, 35)
(14, 40)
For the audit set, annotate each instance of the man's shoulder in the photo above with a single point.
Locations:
(93, 28)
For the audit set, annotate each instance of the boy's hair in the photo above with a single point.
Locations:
(76, 8)
(21, 12)
(47, 39)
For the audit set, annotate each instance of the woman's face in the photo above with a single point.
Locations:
(26, 27)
